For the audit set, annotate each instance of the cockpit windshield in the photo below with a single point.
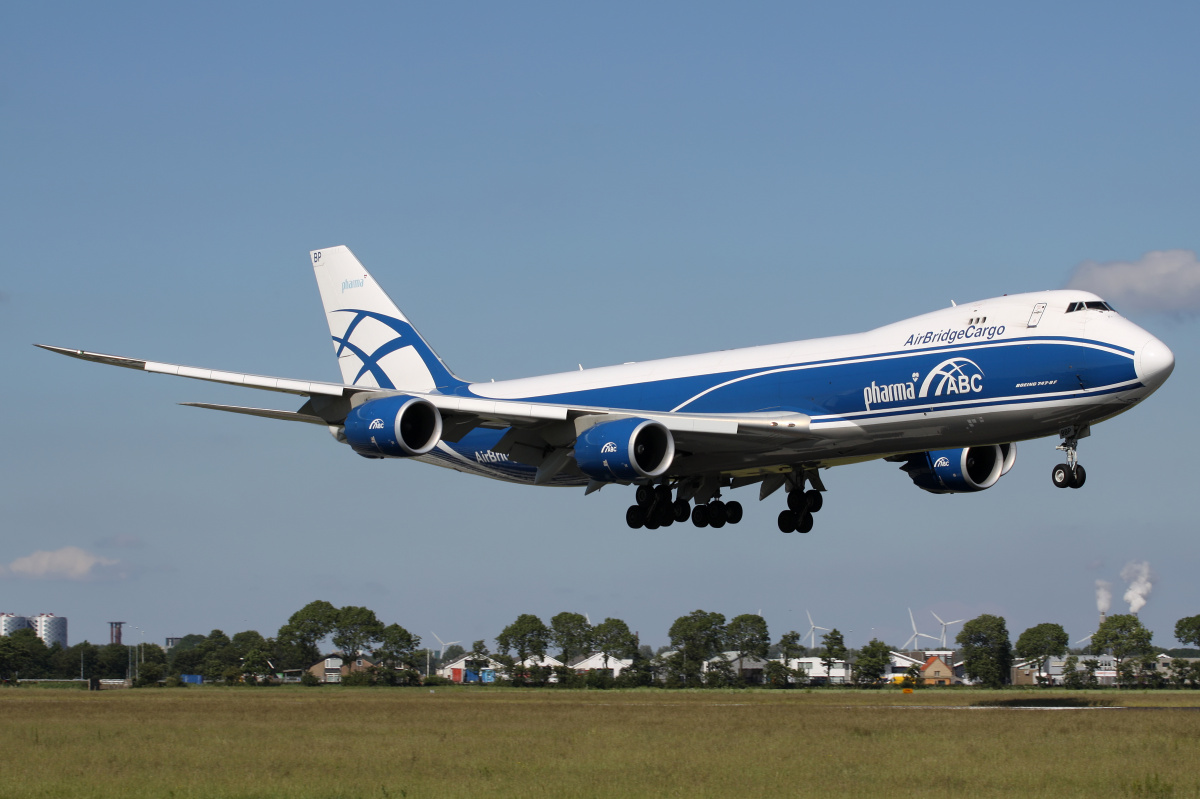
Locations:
(1090, 305)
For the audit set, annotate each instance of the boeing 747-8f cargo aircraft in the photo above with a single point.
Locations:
(946, 395)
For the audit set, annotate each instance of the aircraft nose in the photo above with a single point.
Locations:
(1154, 363)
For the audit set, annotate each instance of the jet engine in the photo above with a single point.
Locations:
(955, 471)
(625, 449)
(394, 427)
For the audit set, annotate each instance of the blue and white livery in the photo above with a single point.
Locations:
(946, 395)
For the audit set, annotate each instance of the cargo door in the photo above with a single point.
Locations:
(1036, 316)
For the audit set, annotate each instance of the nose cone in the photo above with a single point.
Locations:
(1154, 363)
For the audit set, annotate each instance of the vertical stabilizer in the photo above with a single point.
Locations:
(374, 343)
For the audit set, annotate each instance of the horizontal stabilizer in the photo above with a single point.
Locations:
(266, 413)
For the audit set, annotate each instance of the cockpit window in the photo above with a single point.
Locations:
(1090, 305)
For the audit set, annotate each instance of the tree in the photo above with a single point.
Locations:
(1041, 643)
(24, 655)
(397, 646)
(572, 634)
(790, 649)
(986, 650)
(355, 629)
(748, 635)
(697, 637)
(527, 636)
(308, 626)
(1187, 630)
(1124, 635)
(612, 638)
(873, 662)
(452, 653)
(835, 650)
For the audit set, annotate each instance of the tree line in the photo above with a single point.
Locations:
(705, 651)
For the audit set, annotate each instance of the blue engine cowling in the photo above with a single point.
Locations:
(626, 449)
(394, 427)
(954, 471)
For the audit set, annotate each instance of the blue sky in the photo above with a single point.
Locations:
(539, 186)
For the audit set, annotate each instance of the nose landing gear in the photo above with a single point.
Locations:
(1070, 474)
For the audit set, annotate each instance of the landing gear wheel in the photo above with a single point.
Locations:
(663, 495)
(682, 510)
(716, 514)
(635, 517)
(1061, 475)
(1080, 477)
(805, 523)
(815, 500)
(644, 496)
(798, 501)
(733, 512)
(700, 516)
(664, 514)
(787, 521)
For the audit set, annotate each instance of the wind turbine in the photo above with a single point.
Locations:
(944, 624)
(916, 636)
(812, 631)
(1087, 638)
(444, 644)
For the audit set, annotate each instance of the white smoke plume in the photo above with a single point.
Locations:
(1103, 595)
(1137, 573)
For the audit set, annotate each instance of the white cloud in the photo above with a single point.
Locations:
(1162, 280)
(68, 563)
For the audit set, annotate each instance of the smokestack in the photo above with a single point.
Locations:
(1103, 616)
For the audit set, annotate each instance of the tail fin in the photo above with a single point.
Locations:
(374, 343)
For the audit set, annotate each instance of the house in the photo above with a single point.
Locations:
(334, 667)
(538, 662)
(936, 671)
(814, 670)
(471, 669)
(597, 662)
(753, 668)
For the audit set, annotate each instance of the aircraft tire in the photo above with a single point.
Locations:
(797, 501)
(805, 523)
(733, 512)
(1079, 478)
(651, 524)
(635, 517)
(716, 514)
(1061, 475)
(645, 496)
(682, 510)
(787, 521)
(700, 516)
(664, 514)
(815, 500)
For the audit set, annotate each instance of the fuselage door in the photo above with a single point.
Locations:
(1036, 316)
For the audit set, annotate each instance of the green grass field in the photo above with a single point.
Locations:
(343, 742)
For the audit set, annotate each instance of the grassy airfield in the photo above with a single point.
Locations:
(345, 742)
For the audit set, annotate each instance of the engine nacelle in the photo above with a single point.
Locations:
(394, 427)
(625, 449)
(954, 471)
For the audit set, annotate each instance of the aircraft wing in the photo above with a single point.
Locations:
(538, 427)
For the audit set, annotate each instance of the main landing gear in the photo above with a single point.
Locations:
(1070, 474)
(655, 509)
(798, 518)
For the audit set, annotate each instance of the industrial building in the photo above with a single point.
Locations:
(50, 628)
